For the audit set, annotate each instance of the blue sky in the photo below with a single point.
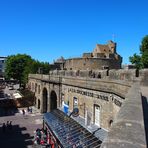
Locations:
(49, 29)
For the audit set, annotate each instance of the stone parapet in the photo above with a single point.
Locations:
(130, 75)
(128, 130)
(118, 87)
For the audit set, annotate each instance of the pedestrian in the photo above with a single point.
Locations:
(23, 112)
(28, 109)
(38, 133)
(7, 124)
(4, 127)
(31, 110)
(10, 125)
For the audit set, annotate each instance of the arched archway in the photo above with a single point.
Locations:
(110, 123)
(53, 100)
(45, 98)
(38, 104)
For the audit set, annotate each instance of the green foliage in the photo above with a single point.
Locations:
(45, 67)
(141, 61)
(19, 66)
(136, 59)
(144, 45)
(144, 59)
(144, 51)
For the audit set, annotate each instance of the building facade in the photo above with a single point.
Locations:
(98, 100)
(2, 67)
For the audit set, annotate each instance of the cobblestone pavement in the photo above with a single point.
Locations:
(22, 132)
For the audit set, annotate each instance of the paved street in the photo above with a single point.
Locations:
(22, 132)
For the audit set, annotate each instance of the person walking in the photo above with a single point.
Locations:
(10, 125)
(4, 127)
(23, 111)
(7, 124)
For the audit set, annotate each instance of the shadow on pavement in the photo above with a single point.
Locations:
(14, 137)
(8, 111)
(145, 113)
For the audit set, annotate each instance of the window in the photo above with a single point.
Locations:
(75, 102)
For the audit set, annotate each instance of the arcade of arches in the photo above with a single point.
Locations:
(96, 107)
(49, 103)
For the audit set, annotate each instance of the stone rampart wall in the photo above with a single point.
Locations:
(125, 75)
(117, 87)
(128, 130)
(128, 126)
(91, 63)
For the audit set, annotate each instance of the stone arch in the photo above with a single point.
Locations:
(110, 123)
(39, 104)
(53, 100)
(45, 100)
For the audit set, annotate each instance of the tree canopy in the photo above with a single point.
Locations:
(141, 61)
(19, 66)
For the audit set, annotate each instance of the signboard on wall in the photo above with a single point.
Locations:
(65, 107)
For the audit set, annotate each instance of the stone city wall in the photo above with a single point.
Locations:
(91, 63)
(128, 121)
(131, 75)
(128, 130)
(108, 95)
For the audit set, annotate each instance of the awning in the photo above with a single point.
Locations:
(17, 95)
(68, 132)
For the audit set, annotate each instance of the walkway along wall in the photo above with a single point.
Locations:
(128, 130)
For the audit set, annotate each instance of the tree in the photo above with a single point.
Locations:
(136, 59)
(141, 61)
(144, 45)
(45, 67)
(144, 51)
(18, 67)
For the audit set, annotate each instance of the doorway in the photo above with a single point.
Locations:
(53, 101)
(45, 96)
(97, 115)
